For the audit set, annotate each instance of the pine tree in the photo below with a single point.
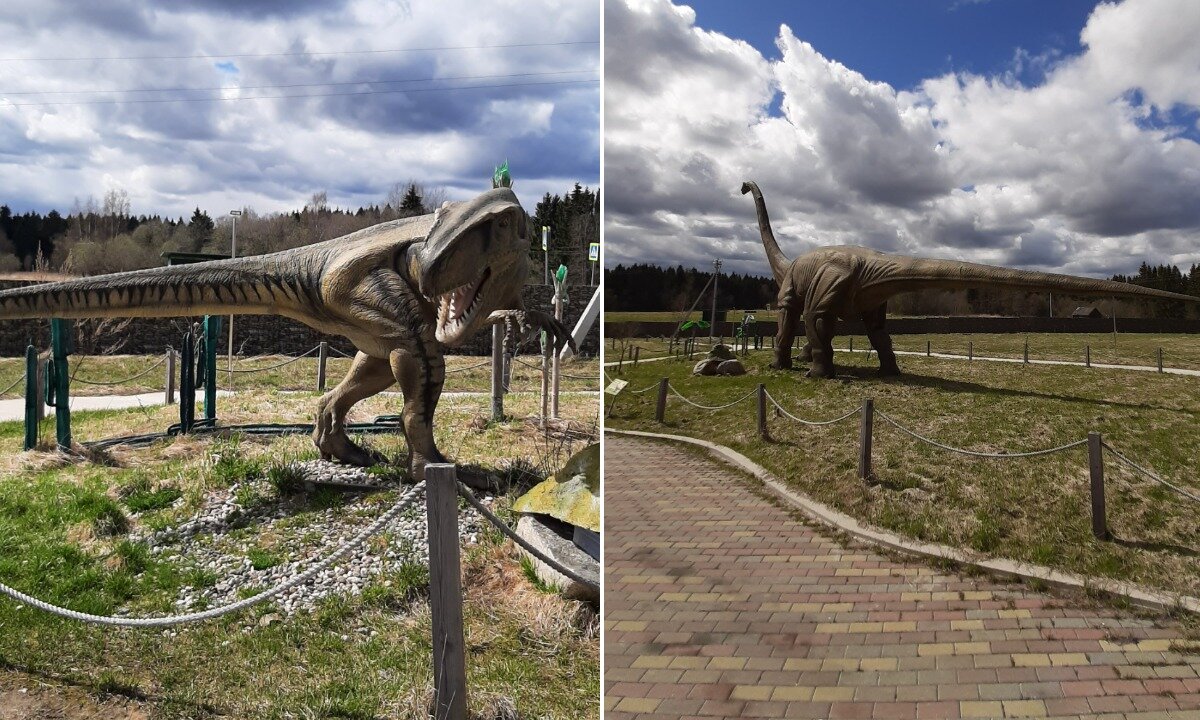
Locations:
(200, 229)
(411, 204)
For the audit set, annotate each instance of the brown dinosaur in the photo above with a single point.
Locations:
(847, 282)
(401, 291)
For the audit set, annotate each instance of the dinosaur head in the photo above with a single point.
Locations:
(474, 260)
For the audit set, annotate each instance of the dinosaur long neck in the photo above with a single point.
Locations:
(908, 274)
(247, 286)
(775, 256)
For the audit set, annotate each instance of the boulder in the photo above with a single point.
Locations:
(572, 495)
(708, 366)
(720, 352)
(545, 535)
(731, 367)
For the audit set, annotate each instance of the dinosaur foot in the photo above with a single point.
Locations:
(816, 371)
(889, 372)
(346, 451)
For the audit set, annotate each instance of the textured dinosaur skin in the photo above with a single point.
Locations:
(401, 292)
(847, 282)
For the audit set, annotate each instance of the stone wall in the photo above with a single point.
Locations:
(253, 334)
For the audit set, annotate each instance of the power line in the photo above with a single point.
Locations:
(311, 95)
(296, 85)
(304, 52)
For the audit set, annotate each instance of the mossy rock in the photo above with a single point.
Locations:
(720, 352)
(731, 367)
(572, 494)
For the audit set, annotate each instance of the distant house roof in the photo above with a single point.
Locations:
(184, 258)
(1087, 311)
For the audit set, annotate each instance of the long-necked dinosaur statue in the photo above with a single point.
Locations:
(401, 291)
(847, 282)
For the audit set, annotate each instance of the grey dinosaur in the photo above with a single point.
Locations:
(847, 282)
(401, 292)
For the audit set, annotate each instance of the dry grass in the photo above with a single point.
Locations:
(1031, 509)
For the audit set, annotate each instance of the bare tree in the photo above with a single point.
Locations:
(115, 210)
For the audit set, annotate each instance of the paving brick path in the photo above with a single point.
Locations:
(717, 603)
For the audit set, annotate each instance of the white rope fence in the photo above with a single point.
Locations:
(273, 367)
(110, 383)
(15, 383)
(973, 453)
(383, 521)
(780, 408)
(1151, 475)
(743, 398)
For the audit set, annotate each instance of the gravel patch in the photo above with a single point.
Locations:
(249, 539)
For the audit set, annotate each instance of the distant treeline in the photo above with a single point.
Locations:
(649, 288)
(105, 236)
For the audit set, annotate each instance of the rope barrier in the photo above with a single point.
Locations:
(333, 349)
(383, 521)
(122, 381)
(273, 367)
(711, 407)
(561, 374)
(644, 390)
(974, 453)
(814, 423)
(1149, 474)
(508, 531)
(472, 367)
(10, 387)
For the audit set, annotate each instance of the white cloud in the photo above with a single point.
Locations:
(1087, 171)
(273, 154)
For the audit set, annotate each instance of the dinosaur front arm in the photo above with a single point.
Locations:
(522, 323)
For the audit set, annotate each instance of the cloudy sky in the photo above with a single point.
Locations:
(138, 113)
(1056, 136)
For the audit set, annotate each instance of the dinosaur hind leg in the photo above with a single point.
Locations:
(881, 341)
(421, 380)
(820, 329)
(368, 376)
(788, 317)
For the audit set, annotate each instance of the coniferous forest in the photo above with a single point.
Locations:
(647, 288)
(104, 236)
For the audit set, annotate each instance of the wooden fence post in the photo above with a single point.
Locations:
(637, 354)
(762, 412)
(445, 593)
(33, 397)
(865, 424)
(1026, 356)
(660, 411)
(1096, 470)
(1087, 355)
(170, 392)
(1160, 367)
(851, 343)
(322, 356)
(497, 373)
(927, 348)
(970, 349)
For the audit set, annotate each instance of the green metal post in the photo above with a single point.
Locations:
(187, 385)
(212, 331)
(32, 400)
(61, 346)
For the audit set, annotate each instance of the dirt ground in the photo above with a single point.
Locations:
(24, 697)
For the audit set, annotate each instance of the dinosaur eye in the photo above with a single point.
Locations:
(504, 222)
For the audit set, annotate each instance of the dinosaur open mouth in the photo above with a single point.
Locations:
(457, 307)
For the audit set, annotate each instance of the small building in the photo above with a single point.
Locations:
(1087, 311)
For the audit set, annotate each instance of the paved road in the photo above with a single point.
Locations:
(718, 603)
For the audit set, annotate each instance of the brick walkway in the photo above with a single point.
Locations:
(717, 603)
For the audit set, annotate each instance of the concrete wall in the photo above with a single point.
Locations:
(253, 334)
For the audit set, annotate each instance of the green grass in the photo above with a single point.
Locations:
(354, 657)
(462, 374)
(1179, 350)
(1033, 509)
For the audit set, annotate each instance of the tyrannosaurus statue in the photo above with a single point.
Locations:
(845, 282)
(401, 292)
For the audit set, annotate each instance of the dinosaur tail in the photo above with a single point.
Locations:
(775, 256)
(922, 274)
(248, 286)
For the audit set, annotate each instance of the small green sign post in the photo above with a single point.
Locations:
(212, 331)
(31, 398)
(61, 345)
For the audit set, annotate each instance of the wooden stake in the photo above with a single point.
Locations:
(865, 425)
(1096, 470)
(660, 411)
(762, 412)
(170, 393)
(322, 357)
(445, 593)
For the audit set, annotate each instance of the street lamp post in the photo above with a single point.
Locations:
(713, 320)
(232, 254)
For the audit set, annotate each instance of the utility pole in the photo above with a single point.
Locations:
(232, 254)
(712, 327)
